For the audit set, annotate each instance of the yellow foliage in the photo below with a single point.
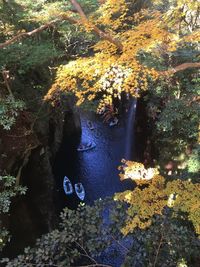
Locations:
(109, 72)
(146, 202)
(137, 172)
(113, 13)
(193, 37)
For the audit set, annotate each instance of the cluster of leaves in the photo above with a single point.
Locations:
(81, 236)
(168, 211)
(193, 163)
(85, 77)
(8, 190)
(28, 56)
(136, 171)
(145, 202)
(9, 110)
(21, 57)
(47, 45)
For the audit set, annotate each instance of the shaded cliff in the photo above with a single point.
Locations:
(28, 152)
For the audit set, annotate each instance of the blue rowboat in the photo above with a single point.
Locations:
(80, 191)
(67, 186)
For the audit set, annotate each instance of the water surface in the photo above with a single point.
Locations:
(97, 168)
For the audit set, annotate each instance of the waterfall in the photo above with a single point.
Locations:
(130, 129)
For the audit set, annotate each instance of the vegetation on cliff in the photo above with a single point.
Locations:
(8, 190)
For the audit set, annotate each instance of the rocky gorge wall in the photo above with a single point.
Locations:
(29, 155)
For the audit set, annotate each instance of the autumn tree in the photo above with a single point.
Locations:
(115, 66)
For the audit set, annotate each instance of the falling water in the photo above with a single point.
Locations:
(130, 129)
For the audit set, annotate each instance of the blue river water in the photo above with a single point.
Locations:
(96, 169)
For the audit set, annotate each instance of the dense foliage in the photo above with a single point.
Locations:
(81, 236)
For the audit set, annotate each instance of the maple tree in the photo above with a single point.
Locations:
(114, 67)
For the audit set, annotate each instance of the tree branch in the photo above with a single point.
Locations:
(84, 18)
(37, 30)
(158, 250)
(79, 9)
(27, 34)
(181, 67)
(99, 32)
(86, 254)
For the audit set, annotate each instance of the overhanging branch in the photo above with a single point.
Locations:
(181, 67)
(28, 34)
(22, 35)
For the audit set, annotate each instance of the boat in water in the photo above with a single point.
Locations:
(67, 186)
(90, 125)
(80, 191)
(114, 122)
(87, 146)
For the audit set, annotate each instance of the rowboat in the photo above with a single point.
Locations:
(87, 146)
(67, 186)
(90, 125)
(80, 191)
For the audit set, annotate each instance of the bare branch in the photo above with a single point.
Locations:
(122, 246)
(158, 250)
(86, 253)
(108, 37)
(27, 34)
(181, 67)
(79, 9)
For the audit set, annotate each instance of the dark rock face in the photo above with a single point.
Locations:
(35, 213)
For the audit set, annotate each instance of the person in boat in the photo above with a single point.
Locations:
(79, 187)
